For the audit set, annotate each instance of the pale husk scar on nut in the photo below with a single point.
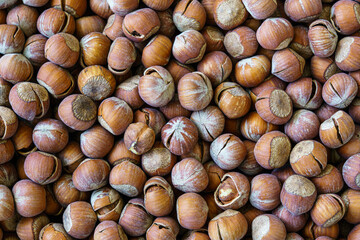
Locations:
(180, 119)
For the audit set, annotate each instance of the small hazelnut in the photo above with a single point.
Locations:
(127, 178)
(268, 226)
(29, 197)
(265, 192)
(351, 172)
(189, 14)
(233, 191)
(344, 16)
(7, 205)
(230, 224)
(274, 106)
(88, 24)
(16, 68)
(339, 90)
(346, 54)
(250, 166)
(79, 219)
(189, 47)
(241, 42)
(167, 26)
(134, 219)
(228, 151)
(62, 49)
(128, 91)
(158, 197)
(194, 91)
(189, 175)
(139, 138)
(232, 100)
(337, 130)
(298, 194)
(275, 33)
(29, 100)
(141, 24)
(191, 211)
(78, 112)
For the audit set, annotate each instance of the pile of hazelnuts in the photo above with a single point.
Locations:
(180, 119)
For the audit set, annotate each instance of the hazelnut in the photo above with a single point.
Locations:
(355, 233)
(158, 161)
(329, 180)
(303, 11)
(158, 5)
(292, 223)
(71, 156)
(53, 230)
(65, 191)
(174, 109)
(113, 27)
(75, 8)
(8, 123)
(344, 16)
(305, 93)
(346, 54)
(328, 210)
(100, 8)
(57, 80)
(96, 142)
(228, 151)
(230, 224)
(216, 66)
(50, 135)
(79, 219)
(120, 153)
(15, 68)
(200, 152)
(189, 14)
(303, 125)
(287, 65)
(275, 33)
(265, 192)
(194, 91)
(260, 10)
(5, 90)
(22, 140)
(127, 178)
(8, 174)
(179, 135)
(232, 100)
(12, 39)
(301, 42)
(53, 21)
(151, 117)
(189, 175)
(191, 210)
(123, 7)
(213, 36)
(158, 197)
(339, 90)
(29, 197)
(351, 147)
(8, 150)
(156, 87)
(196, 234)
(323, 68)
(249, 166)
(215, 174)
(298, 194)
(233, 191)
(88, 24)
(94, 49)
(274, 106)
(134, 219)
(115, 115)
(178, 70)
(91, 174)
(141, 24)
(122, 55)
(253, 126)
(356, 76)
(42, 168)
(128, 91)
(337, 130)
(322, 38)
(325, 111)
(62, 49)
(28, 16)
(78, 112)
(139, 138)
(268, 226)
(210, 122)
(250, 72)
(308, 158)
(163, 228)
(229, 14)
(189, 47)
(29, 228)
(241, 42)
(96, 82)
(29, 100)
(7, 206)
(271, 81)
(351, 172)
(157, 51)
(109, 230)
(351, 200)
(107, 204)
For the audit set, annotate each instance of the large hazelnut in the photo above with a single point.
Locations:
(113, 27)
(122, 55)
(250, 72)
(260, 10)
(128, 91)
(268, 226)
(344, 16)
(94, 49)
(303, 11)
(12, 39)
(322, 38)
(346, 54)
(287, 65)
(241, 42)
(157, 51)
(53, 231)
(65, 191)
